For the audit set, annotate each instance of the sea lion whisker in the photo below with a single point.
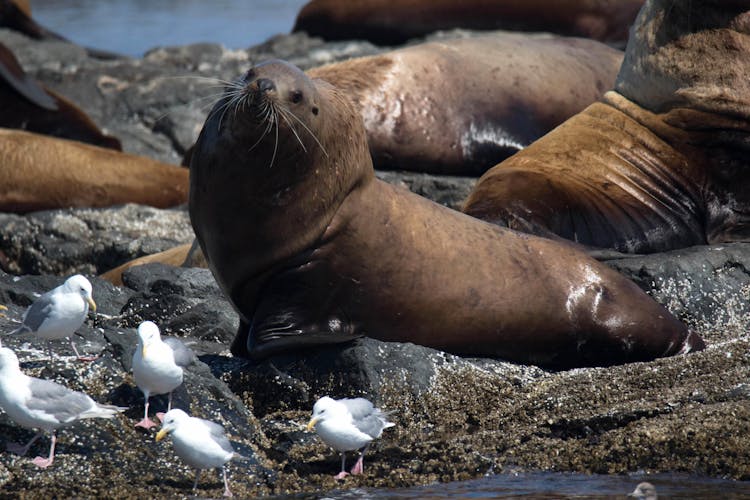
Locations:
(282, 112)
(274, 113)
(269, 123)
(227, 105)
(308, 131)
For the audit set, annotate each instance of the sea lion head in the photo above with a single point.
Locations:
(275, 160)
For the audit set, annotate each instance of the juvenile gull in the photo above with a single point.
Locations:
(158, 365)
(346, 425)
(42, 404)
(59, 312)
(200, 443)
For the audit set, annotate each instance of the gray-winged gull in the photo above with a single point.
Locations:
(59, 312)
(158, 365)
(644, 491)
(346, 425)
(42, 404)
(200, 443)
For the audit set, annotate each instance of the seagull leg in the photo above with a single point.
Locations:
(146, 423)
(227, 493)
(197, 475)
(343, 473)
(46, 462)
(359, 467)
(22, 450)
(169, 402)
(81, 358)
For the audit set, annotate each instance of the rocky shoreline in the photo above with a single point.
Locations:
(457, 418)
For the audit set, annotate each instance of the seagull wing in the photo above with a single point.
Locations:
(217, 434)
(64, 404)
(183, 355)
(37, 313)
(366, 417)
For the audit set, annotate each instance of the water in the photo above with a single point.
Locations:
(132, 27)
(547, 486)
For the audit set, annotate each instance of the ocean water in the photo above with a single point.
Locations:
(132, 27)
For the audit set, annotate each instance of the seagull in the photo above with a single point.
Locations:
(59, 312)
(42, 404)
(346, 425)
(644, 491)
(158, 365)
(200, 443)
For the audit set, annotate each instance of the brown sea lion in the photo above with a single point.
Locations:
(389, 22)
(28, 105)
(311, 248)
(461, 106)
(187, 255)
(663, 163)
(40, 172)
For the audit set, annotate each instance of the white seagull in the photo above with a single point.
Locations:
(200, 443)
(158, 365)
(59, 312)
(42, 404)
(346, 425)
(644, 491)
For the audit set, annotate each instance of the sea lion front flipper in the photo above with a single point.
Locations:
(12, 72)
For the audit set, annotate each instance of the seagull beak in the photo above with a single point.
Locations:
(162, 433)
(311, 423)
(91, 302)
(143, 352)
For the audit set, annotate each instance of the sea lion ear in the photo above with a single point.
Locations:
(315, 110)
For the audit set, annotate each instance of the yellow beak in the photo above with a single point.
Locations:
(311, 423)
(143, 352)
(160, 435)
(92, 304)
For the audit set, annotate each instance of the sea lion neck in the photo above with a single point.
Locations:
(662, 70)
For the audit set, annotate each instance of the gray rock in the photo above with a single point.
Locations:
(88, 241)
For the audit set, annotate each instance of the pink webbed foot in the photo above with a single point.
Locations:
(341, 475)
(146, 423)
(87, 358)
(42, 462)
(160, 416)
(358, 467)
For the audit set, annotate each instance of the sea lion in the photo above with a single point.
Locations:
(40, 172)
(42, 110)
(312, 248)
(386, 22)
(187, 255)
(663, 162)
(461, 106)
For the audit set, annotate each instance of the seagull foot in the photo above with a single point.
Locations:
(228, 493)
(17, 448)
(341, 475)
(42, 462)
(160, 416)
(358, 467)
(146, 423)
(87, 358)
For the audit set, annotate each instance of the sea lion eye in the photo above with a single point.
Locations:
(315, 110)
(296, 96)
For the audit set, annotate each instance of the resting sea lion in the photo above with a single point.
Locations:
(387, 22)
(187, 255)
(311, 248)
(461, 106)
(40, 172)
(663, 162)
(28, 105)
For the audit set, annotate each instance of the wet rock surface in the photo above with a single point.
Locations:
(457, 418)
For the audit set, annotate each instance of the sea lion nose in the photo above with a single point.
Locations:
(265, 85)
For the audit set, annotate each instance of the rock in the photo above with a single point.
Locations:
(88, 241)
